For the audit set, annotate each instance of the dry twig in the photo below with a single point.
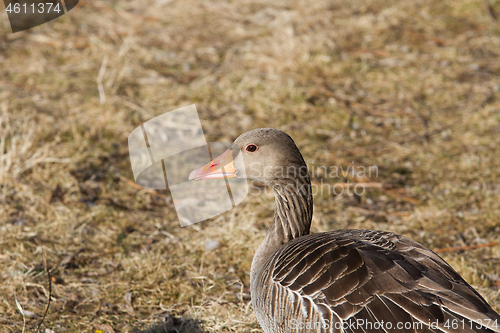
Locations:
(135, 185)
(50, 293)
(469, 247)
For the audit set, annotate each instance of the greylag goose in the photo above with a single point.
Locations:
(355, 281)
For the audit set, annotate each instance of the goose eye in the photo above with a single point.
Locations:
(251, 148)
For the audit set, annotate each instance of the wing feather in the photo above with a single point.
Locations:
(375, 277)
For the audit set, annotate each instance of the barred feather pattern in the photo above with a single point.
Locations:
(356, 281)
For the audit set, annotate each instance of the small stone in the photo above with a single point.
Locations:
(211, 245)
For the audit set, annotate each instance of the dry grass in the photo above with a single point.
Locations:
(408, 86)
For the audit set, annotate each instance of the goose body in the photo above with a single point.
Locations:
(364, 281)
(358, 281)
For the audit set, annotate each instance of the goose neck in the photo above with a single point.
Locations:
(292, 217)
(293, 214)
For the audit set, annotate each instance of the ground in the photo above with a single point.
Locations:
(409, 88)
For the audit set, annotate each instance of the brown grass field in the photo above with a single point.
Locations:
(410, 87)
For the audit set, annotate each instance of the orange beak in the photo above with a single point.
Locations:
(220, 167)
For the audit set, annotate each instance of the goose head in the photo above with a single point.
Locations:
(265, 154)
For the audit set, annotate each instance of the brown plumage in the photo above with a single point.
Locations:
(358, 281)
